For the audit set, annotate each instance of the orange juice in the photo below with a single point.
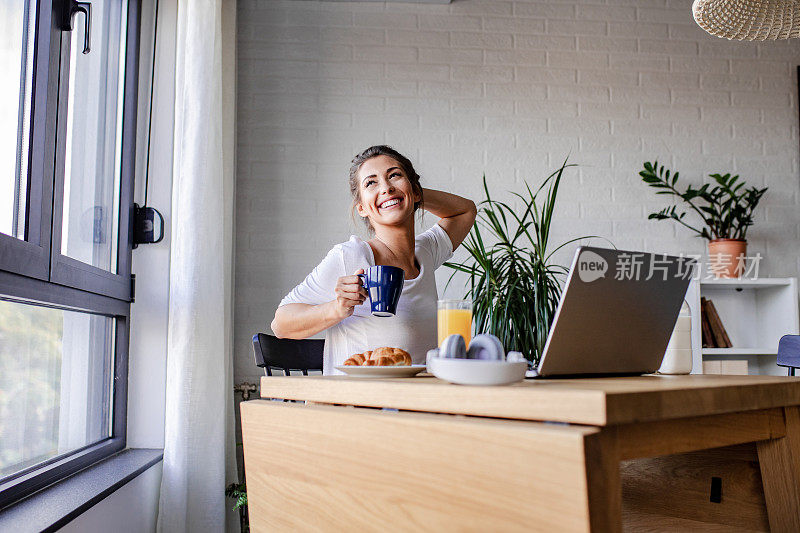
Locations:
(454, 321)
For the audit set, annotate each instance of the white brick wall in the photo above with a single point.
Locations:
(503, 88)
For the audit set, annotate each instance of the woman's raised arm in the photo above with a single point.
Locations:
(300, 321)
(457, 214)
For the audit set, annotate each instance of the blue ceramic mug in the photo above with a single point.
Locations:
(384, 285)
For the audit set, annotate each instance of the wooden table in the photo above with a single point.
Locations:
(549, 455)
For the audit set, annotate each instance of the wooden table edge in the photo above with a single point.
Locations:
(554, 402)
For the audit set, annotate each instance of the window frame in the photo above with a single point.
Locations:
(31, 256)
(66, 270)
(27, 481)
(32, 271)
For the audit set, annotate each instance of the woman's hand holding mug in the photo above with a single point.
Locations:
(349, 293)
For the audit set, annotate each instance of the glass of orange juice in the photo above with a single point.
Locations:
(454, 316)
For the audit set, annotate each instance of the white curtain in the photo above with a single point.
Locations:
(199, 448)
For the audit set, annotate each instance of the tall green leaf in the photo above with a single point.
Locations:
(514, 287)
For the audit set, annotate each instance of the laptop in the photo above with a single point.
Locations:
(616, 313)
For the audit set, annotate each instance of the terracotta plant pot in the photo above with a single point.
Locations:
(726, 257)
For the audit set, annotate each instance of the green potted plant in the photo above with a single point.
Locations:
(513, 284)
(726, 210)
(238, 493)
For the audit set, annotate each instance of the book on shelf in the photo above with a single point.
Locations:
(708, 338)
(717, 337)
(720, 334)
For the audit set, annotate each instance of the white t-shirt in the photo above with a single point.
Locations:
(413, 328)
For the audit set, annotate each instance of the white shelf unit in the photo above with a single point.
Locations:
(756, 313)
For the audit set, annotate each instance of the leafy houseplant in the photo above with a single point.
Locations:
(513, 285)
(238, 492)
(726, 210)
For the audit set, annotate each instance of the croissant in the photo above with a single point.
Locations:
(395, 356)
(385, 356)
(357, 360)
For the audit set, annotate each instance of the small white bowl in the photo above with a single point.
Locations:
(477, 371)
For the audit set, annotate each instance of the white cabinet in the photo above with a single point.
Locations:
(756, 313)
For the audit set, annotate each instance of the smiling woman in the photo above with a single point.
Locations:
(386, 193)
(373, 159)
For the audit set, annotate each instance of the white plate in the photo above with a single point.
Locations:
(477, 371)
(381, 371)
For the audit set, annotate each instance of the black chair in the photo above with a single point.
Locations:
(287, 354)
(789, 352)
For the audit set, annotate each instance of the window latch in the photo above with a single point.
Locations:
(146, 226)
(68, 10)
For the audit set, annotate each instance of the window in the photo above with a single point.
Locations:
(16, 46)
(67, 130)
(55, 374)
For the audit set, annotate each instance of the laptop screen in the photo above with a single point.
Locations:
(616, 313)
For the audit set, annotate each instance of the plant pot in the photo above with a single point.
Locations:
(726, 257)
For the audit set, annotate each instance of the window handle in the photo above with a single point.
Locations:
(86, 8)
(70, 7)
